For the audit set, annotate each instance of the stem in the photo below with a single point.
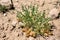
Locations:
(12, 6)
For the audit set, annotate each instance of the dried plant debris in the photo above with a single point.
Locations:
(35, 21)
(12, 5)
(58, 16)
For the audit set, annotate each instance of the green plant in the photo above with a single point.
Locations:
(34, 19)
(3, 8)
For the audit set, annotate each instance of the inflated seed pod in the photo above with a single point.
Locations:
(42, 30)
(25, 29)
(46, 31)
(45, 34)
(27, 35)
(28, 31)
(32, 33)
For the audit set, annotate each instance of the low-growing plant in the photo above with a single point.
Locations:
(35, 20)
(3, 8)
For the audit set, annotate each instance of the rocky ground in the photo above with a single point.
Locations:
(10, 27)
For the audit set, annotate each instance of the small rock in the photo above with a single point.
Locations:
(23, 38)
(5, 14)
(52, 38)
(14, 23)
(41, 3)
(53, 13)
(30, 38)
(41, 38)
(16, 0)
(21, 24)
(5, 2)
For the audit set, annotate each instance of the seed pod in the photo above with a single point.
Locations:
(27, 35)
(25, 29)
(28, 31)
(32, 33)
(42, 30)
(46, 31)
(45, 34)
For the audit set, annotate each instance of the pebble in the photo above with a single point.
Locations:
(21, 24)
(14, 23)
(30, 38)
(5, 14)
(53, 13)
(5, 2)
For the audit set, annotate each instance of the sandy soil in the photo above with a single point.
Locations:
(10, 27)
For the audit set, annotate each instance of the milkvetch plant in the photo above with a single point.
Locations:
(35, 21)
